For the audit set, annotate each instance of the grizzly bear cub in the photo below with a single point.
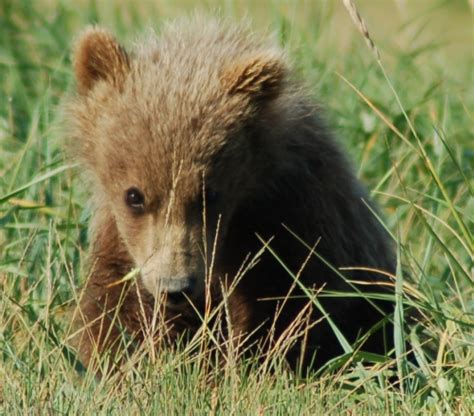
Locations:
(212, 174)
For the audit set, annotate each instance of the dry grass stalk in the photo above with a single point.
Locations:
(360, 23)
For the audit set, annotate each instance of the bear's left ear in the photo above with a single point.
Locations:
(259, 76)
(98, 56)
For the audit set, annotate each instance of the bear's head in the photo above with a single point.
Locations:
(172, 136)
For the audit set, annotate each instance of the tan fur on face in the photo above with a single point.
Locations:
(171, 121)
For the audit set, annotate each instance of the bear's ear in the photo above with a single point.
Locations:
(98, 56)
(257, 76)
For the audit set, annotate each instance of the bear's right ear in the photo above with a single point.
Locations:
(256, 76)
(98, 56)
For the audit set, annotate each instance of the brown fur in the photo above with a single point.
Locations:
(210, 106)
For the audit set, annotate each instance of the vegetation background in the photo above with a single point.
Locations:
(407, 121)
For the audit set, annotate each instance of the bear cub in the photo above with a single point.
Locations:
(213, 175)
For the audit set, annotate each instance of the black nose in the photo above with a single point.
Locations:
(188, 286)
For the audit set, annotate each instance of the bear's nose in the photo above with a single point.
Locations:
(187, 288)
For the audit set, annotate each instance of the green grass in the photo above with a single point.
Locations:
(408, 124)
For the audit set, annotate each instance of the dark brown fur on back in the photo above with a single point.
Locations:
(207, 115)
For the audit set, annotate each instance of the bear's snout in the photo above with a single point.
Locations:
(178, 284)
(169, 263)
(179, 290)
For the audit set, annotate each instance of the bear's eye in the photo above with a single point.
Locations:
(211, 196)
(135, 200)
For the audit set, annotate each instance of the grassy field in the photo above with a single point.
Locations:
(407, 120)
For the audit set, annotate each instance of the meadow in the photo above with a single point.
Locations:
(401, 99)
